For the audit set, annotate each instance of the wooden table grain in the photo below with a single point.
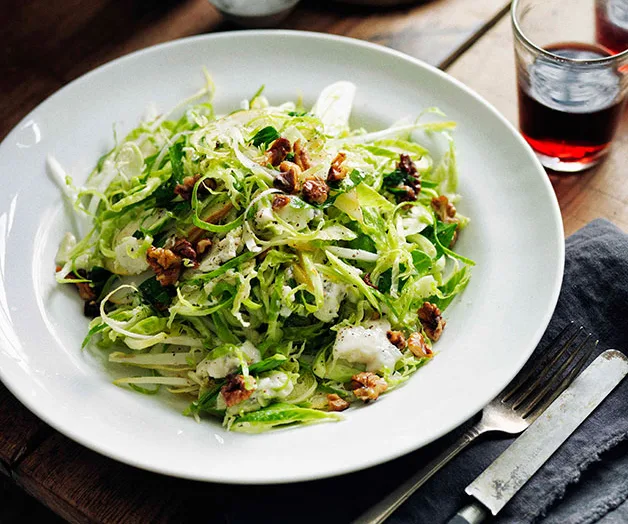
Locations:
(46, 45)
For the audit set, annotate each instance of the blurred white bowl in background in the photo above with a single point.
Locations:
(255, 13)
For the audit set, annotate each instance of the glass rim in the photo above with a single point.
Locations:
(548, 54)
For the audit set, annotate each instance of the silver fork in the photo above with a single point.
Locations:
(512, 411)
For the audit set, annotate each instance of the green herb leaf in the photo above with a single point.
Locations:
(351, 181)
(441, 235)
(265, 136)
(363, 242)
(450, 289)
(421, 261)
(176, 153)
(396, 178)
(158, 296)
(385, 281)
(165, 192)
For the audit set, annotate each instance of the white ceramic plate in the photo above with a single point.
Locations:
(515, 236)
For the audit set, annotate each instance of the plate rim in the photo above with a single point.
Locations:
(382, 457)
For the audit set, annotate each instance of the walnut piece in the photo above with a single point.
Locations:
(336, 403)
(315, 191)
(280, 201)
(86, 292)
(336, 171)
(396, 338)
(406, 165)
(409, 191)
(406, 194)
(202, 245)
(287, 180)
(432, 321)
(185, 189)
(165, 264)
(277, 151)
(446, 212)
(184, 249)
(301, 158)
(368, 386)
(444, 209)
(235, 391)
(91, 308)
(418, 347)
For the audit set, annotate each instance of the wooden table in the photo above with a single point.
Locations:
(48, 44)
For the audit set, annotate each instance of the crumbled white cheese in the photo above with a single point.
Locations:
(128, 260)
(264, 216)
(275, 385)
(285, 311)
(222, 366)
(333, 294)
(299, 218)
(367, 345)
(222, 251)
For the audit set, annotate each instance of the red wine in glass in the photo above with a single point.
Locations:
(570, 113)
(611, 24)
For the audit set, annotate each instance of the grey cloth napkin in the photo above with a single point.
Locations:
(585, 481)
(588, 476)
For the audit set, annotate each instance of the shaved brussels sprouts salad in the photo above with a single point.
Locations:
(272, 264)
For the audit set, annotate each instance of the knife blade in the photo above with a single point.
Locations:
(525, 456)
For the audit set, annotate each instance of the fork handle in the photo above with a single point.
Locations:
(387, 506)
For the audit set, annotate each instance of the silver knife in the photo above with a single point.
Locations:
(515, 466)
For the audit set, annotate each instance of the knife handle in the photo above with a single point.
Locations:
(473, 513)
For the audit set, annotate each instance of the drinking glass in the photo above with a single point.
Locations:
(571, 89)
(611, 24)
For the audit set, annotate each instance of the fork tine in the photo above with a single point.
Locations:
(536, 408)
(551, 357)
(549, 375)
